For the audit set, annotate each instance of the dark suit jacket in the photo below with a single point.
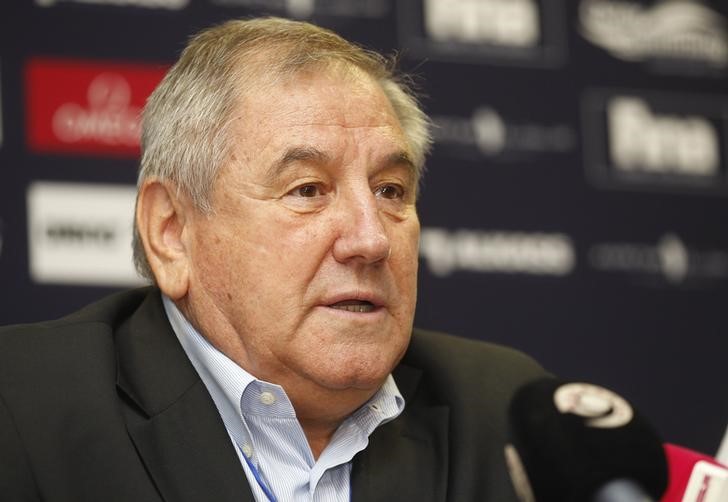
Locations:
(104, 405)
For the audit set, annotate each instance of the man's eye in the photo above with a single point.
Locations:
(307, 191)
(390, 191)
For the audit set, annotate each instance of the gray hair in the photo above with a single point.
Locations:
(186, 121)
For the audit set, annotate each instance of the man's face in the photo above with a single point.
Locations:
(307, 268)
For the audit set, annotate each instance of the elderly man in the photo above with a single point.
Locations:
(274, 357)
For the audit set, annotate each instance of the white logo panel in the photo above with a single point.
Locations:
(303, 9)
(81, 233)
(511, 32)
(655, 141)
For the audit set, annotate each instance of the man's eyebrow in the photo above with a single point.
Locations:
(297, 154)
(401, 157)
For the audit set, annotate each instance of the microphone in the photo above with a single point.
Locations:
(694, 477)
(578, 442)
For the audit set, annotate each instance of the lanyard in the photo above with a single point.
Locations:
(269, 494)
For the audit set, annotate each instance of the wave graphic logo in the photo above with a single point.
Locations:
(681, 30)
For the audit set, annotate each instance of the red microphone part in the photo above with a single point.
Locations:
(694, 477)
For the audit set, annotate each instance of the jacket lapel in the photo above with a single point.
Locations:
(407, 459)
(170, 416)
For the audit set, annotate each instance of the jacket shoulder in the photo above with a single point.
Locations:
(84, 338)
(110, 311)
(456, 359)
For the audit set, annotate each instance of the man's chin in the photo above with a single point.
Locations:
(360, 374)
(353, 380)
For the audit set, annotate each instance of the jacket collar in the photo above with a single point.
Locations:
(170, 416)
(407, 459)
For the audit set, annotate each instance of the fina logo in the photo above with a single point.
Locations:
(655, 140)
(151, 4)
(108, 119)
(681, 30)
(307, 8)
(640, 140)
(511, 23)
(511, 32)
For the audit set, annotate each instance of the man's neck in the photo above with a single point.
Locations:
(321, 411)
(318, 435)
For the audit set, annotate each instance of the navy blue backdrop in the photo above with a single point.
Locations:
(574, 205)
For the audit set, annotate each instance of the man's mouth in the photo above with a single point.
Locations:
(359, 306)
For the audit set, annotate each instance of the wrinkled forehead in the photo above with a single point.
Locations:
(263, 78)
(270, 63)
(337, 95)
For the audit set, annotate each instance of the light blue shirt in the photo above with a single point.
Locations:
(263, 426)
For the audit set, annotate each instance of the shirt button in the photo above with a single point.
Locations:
(267, 398)
(247, 450)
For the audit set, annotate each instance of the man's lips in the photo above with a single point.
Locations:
(354, 306)
(358, 302)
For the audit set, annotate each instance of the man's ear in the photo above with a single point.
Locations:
(161, 216)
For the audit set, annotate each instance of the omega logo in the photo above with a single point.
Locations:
(108, 118)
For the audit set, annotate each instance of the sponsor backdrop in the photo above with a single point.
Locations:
(575, 205)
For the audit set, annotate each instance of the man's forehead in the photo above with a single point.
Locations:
(339, 92)
(295, 106)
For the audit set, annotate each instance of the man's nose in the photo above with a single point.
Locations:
(362, 236)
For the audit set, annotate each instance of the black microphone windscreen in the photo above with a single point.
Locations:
(574, 438)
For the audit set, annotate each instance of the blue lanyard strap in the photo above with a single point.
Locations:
(256, 475)
(269, 494)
